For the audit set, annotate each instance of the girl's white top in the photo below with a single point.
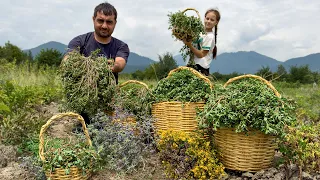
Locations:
(205, 42)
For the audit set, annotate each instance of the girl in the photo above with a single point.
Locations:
(205, 49)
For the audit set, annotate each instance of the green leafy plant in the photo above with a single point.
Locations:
(188, 156)
(134, 98)
(247, 103)
(185, 28)
(62, 154)
(301, 146)
(88, 82)
(183, 86)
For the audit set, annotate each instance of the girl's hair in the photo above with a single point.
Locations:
(217, 13)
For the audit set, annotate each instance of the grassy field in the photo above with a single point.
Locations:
(25, 88)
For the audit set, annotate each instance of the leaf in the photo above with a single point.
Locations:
(4, 107)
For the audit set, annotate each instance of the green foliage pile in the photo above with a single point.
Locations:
(182, 86)
(135, 98)
(247, 103)
(88, 82)
(188, 156)
(301, 146)
(59, 153)
(189, 27)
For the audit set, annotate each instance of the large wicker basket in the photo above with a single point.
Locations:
(59, 173)
(175, 115)
(251, 151)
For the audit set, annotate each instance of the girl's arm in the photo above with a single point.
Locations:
(196, 52)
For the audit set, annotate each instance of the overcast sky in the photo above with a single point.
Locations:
(281, 29)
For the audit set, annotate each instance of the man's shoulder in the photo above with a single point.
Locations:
(118, 41)
(85, 36)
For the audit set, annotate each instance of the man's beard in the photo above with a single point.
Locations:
(103, 35)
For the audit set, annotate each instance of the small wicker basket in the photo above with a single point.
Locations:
(59, 173)
(176, 115)
(180, 33)
(251, 151)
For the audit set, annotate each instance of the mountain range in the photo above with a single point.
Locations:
(243, 62)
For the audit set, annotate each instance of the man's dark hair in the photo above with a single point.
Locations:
(107, 10)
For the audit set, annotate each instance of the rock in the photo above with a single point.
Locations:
(317, 177)
(258, 174)
(280, 176)
(247, 175)
(306, 176)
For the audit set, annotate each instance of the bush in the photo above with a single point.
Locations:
(301, 146)
(122, 147)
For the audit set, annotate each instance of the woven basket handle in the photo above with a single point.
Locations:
(192, 9)
(59, 116)
(134, 82)
(199, 75)
(256, 77)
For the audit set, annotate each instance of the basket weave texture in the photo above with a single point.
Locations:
(59, 173)
(249, 151)
(178, 116)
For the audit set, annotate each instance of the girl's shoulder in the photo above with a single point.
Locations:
(207, 35)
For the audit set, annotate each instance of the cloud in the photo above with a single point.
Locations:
(279, 29)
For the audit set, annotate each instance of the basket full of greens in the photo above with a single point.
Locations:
(247, 114)
(178, 97)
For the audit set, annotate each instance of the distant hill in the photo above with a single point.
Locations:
(135, 61)
(242, 62)
(49, 45)
(313, 60)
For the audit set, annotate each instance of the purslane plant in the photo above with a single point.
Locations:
(247, 104)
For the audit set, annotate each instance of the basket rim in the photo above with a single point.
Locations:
(56, 117)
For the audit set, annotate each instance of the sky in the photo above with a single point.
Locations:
(279, 29)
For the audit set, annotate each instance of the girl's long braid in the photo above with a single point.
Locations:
(214, 51)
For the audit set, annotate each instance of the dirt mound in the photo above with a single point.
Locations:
(13, 172)
(7, 155)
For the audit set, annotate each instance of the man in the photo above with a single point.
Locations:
(104, 21)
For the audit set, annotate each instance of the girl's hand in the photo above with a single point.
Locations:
(188, 43)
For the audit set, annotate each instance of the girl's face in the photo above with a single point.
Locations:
(210, 20)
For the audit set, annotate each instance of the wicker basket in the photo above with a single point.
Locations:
(180, 33)
(251, 151)
(59, 173)
(175, 115)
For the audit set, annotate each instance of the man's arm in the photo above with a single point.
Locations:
(119, 64)
(121, 58)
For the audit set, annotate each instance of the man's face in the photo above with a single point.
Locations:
(104, 25)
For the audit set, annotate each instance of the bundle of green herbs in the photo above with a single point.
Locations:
(187, 28)
(247, 104)
(88, 82)
(183, 86)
